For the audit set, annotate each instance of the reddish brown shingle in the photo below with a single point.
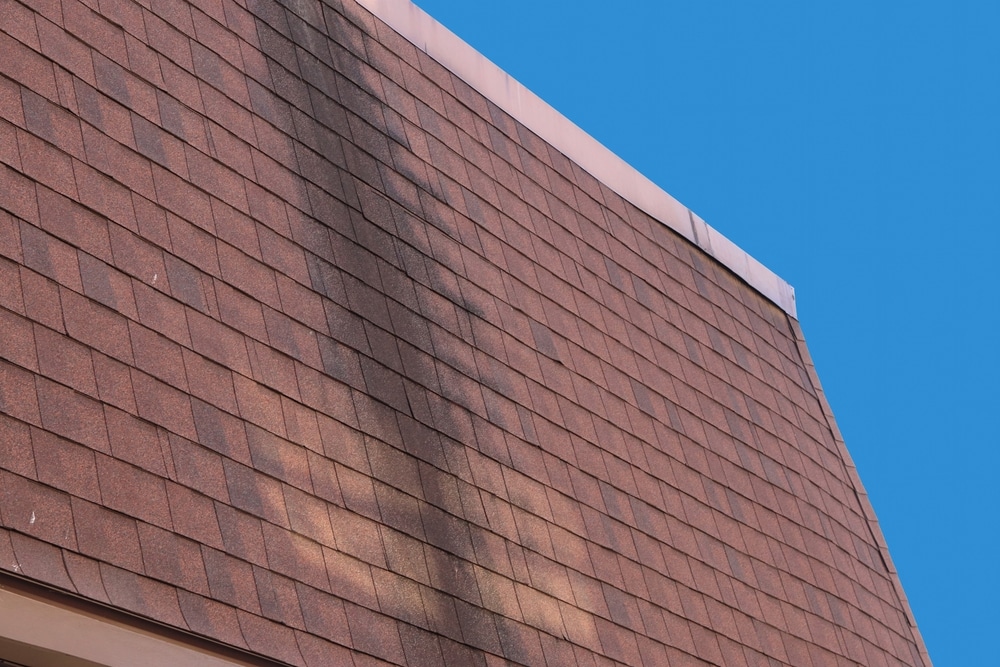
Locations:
(376, 375)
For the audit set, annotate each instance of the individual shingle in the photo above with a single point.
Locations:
(107, 536)
(142, 595)
(210, 618)
(259, 405)
(242, 534)
(133, 491)
(292, 338)
(404, 555)
(37, 510)
(174, 559)
(40, 560)
(72, 415)
(124, 87)
(375, 634)
(309, 516)
(18, 335)
(28, 67)
(158, 356)
(164, 405)
(193, 515)
(302, 424)
(210, 338)
(240, 311)
(255, 494)
(351, 578)
(143, 60)
(399, 598)
(279, 598)
(162, 148)
(181, 197)
(50, 256)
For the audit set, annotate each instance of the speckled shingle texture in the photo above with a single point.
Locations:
(308, 348)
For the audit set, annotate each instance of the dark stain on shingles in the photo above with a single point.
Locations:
(148, 141)
(327, 279)
(111, 79)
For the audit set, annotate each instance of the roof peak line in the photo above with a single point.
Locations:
(451, 51)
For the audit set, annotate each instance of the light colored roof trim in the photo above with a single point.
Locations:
(83, 640)
(527, 108)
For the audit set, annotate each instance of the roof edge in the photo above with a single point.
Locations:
(478, 71)
(859, 490)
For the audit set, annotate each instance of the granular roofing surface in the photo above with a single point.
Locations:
(313, 350)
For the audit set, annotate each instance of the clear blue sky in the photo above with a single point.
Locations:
(854, 148)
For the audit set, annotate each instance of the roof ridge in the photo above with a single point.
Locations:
(451, 51)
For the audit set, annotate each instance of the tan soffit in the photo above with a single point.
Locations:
(28, 636)
(527, 108)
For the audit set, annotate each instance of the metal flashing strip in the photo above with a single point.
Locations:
(528, 109)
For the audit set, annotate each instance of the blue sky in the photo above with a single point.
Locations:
(853, 148)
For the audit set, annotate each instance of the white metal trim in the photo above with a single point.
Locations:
(527, 108)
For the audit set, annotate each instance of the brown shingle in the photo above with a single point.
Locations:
(241, 311)
(133, 491)
(10, 283)
(255, 493)
(179, 196)
(231, 580)
(37, 510)
(399, 597)
(270, 638)
(209, 381)
(309, 516)
(420, 646)
(117, 161)
(217, 179)
(499, 383)
(50, 257)
(292, 338)
(301, 424)
(319, 653)
(19, 341)
(163, 405)
(174, 559)
(143, 596)
(192, 244)
(375, 634)
(193, 515)
(259, 405)
(85, 574)
(351, 579)
(520, 642)
(198, 468)
(40, 560)
(17, 454)
(21, 25)
(405, 555)
(107, 285)
(137, 257)
(107, 536)
(72, 415)
(478, 627)
(210, 618)
(278, 598)
(27, 67)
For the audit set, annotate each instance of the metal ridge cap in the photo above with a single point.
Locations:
(451, 51)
